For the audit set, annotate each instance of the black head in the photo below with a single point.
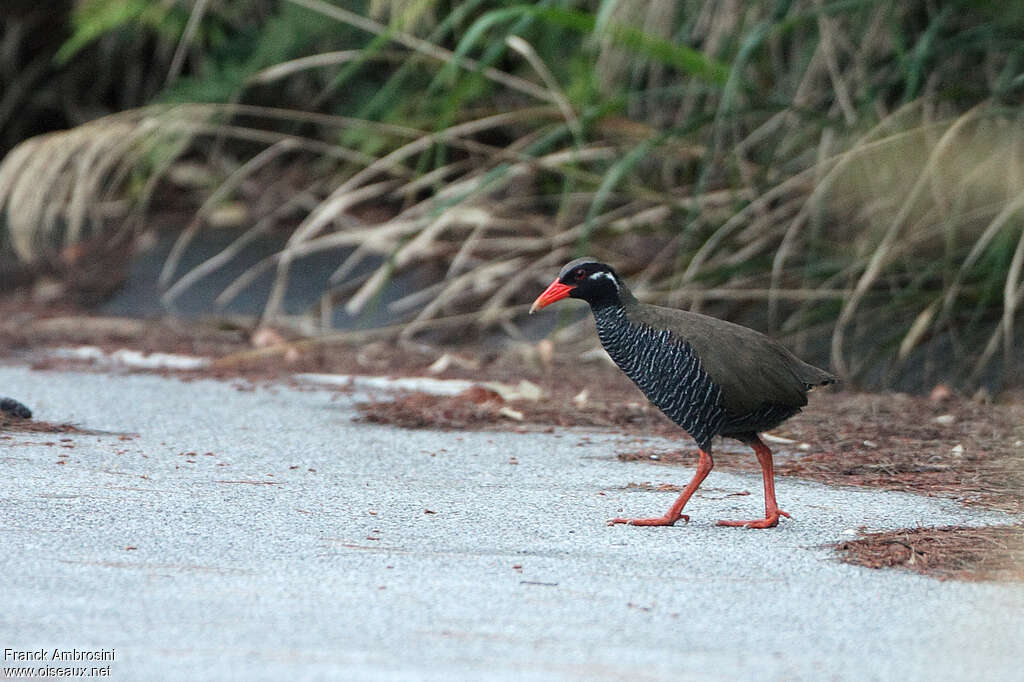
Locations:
(585, 278)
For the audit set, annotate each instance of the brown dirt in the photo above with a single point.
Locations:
(948, 552)
(14, 424)
(955, 447)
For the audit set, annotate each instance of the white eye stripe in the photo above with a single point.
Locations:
(606, 275)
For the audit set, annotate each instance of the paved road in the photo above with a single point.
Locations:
(300, 548)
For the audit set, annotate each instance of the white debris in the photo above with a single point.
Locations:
(265, 337)
(449, 359)
(514, 415)
(545, 351)
(777, 439)
(945, 419)
(524, 390)
(598, 354)
(423, 384)
(441, 364)
(132, 358)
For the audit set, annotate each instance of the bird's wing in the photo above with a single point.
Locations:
(751, 369)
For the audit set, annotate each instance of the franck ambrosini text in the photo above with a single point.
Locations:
(53, 658)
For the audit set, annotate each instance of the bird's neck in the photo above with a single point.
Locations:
(614, 328)
(611, 313)
(618, 298)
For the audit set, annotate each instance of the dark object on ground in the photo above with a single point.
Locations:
(709, 376)
(13, 408)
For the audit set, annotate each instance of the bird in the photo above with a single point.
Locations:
(709, 376)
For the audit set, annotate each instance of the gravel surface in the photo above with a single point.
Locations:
(244, 533)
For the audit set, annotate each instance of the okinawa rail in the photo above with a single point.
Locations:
(709, 376)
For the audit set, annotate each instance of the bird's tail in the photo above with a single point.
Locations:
(813, 376)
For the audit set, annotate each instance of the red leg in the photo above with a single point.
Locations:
(675, 513)
(771, 507)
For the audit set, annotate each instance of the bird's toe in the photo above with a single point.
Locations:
(659, 521)
(767, 522)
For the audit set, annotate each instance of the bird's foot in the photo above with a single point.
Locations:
(770, 521)
(659, 521)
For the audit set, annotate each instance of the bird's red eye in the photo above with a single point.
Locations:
(579, 274)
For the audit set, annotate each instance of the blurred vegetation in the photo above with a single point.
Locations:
(846, 174)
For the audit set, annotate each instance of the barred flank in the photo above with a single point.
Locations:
(667, 370)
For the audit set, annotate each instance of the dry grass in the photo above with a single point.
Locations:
(823, 168)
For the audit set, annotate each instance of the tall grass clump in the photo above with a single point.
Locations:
(845, 174)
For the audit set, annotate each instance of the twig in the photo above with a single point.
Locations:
(194, 19)
(554, 89)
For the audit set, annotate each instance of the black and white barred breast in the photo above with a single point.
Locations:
(667, 370)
